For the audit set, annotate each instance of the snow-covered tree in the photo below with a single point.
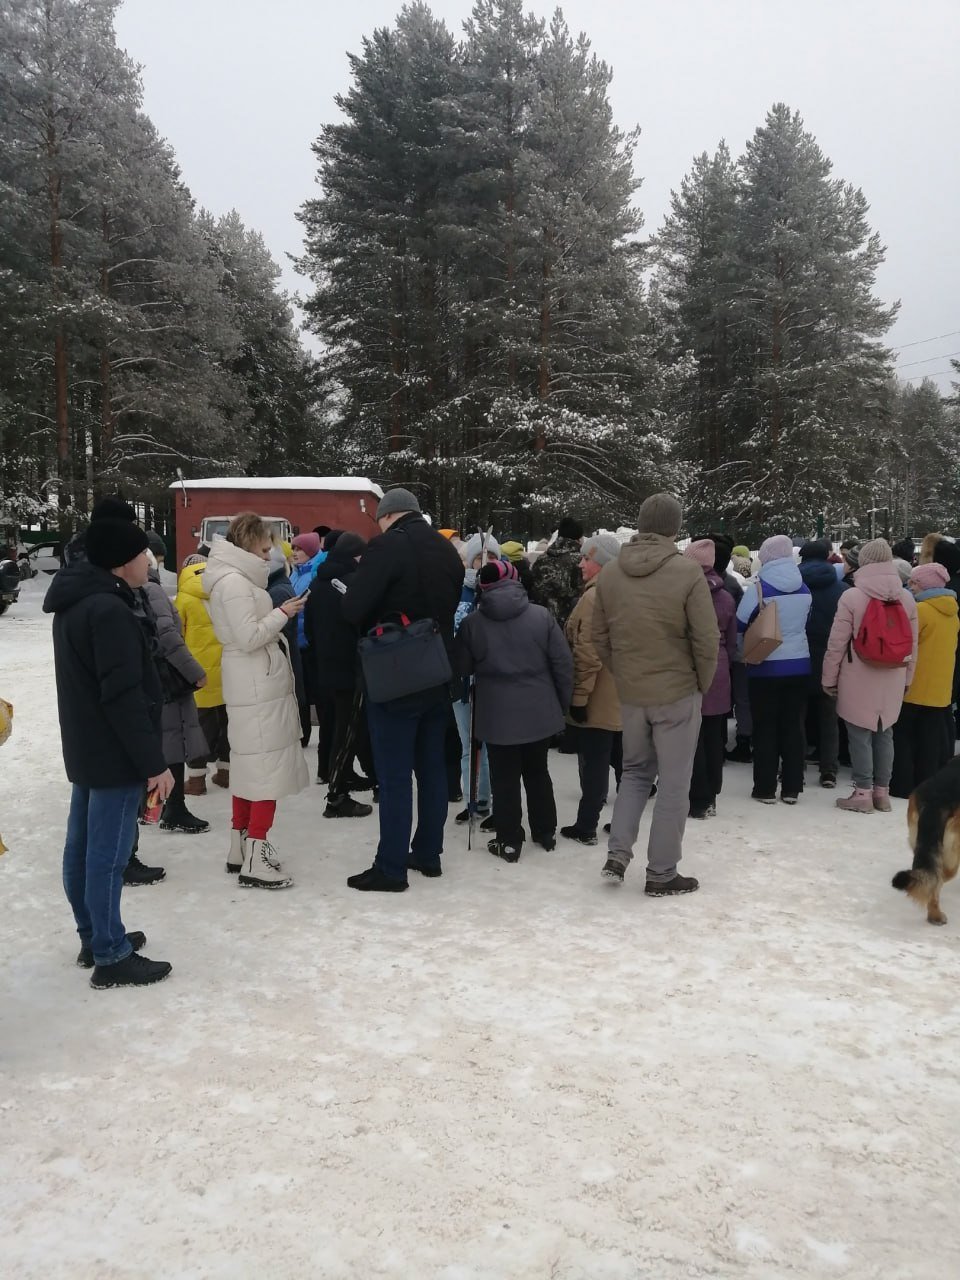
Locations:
(477, 274)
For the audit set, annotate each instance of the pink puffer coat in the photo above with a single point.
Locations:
(867, 696)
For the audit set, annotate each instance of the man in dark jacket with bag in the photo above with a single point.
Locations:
(110, 704)
(413, 573)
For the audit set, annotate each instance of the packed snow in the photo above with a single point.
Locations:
(512, 1073)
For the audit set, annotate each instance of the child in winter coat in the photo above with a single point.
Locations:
(524, 680)
(869, 697)
(707, 779)
(597, 725)
(923, 735)
(778, 686)
(472, 553)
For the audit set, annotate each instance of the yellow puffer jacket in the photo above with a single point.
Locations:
(191, 604)
(938, 625)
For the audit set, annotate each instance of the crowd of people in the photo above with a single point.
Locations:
(635, 656)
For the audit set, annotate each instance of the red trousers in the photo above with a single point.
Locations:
(253, 816)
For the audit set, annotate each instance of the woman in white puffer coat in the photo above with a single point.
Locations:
(266, 759)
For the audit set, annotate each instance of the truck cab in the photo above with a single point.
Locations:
(216, 527)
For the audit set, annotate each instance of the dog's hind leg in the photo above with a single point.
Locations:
(934, 914)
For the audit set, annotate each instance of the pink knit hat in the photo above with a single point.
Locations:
(497, 571)
(927, 577)
(308, 543)
(703, 551)
(779, 547)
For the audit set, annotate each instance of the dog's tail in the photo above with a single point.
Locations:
(924, 876)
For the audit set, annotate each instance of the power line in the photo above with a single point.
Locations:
(922, 342)
(937, 373)
(944, 355)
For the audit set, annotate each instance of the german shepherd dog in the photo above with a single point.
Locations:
(933, 821)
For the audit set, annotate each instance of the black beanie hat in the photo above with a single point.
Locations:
(113, 508)
(350, 545)
(723, 550)
(112, 543)
(818, 549)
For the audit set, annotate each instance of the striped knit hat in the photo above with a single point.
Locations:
(497, 571)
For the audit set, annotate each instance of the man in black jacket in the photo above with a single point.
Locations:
(110, 703)
(332, 643)
(412, 571)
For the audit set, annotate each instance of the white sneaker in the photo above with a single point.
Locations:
(260, 869)
(235, 856)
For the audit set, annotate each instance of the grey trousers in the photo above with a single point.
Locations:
(659, 744)
(871, 756)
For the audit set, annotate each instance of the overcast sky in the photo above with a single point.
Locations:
(241, 87)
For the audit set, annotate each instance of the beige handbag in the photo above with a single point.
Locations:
(762, 636)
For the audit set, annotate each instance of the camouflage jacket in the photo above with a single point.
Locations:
(556, 579)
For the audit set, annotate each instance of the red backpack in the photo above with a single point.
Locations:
(885, 638)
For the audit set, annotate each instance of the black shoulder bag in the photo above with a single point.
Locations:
(402, 658)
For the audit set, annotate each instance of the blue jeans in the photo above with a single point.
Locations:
(100, 833)
(408, 741)
(461, 713)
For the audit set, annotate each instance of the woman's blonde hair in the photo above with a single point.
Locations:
(247, 530)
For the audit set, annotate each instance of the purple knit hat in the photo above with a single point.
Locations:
(779, 547)
(703, 551)
(308, 543)
(927, 577)
(497, 571)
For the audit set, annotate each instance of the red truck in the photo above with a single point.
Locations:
(292, 504)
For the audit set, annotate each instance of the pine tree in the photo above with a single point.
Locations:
(477, 272)
(766, 277)
(812, 386)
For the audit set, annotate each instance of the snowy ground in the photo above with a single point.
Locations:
(513, 1072)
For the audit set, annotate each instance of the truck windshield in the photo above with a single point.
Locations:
(217, 526)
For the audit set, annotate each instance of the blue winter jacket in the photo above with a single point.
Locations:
(301, 576)
(826, 589)
(781, 582)
(468, 602)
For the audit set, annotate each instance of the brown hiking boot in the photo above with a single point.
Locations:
(195, 786)
(221, 778)
(679, 884)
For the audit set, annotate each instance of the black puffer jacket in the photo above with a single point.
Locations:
(410, 569)
(332, 640)
(108, 690)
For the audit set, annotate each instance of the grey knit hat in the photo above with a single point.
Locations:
(660, 514)
(397, 500)
(852, 557)
(876, 552)
(605, 547)
(471, 548)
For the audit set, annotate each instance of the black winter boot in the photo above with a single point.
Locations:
(346, 807)
(136, 939)
(133, 971)
(374, 881)
(136, 873)
(176, 816)
(508, 852)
